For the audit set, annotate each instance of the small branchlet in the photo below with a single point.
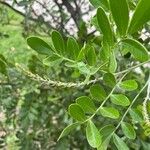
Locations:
(48, 82)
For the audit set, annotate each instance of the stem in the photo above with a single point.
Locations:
(86, 79)
(49, 82)
(64, 58)
(132, 68)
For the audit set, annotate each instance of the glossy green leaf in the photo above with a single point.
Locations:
(128, 130)
(81, 54)
(90, 56)
(86, 104)
(77, 112)
(112, 63)
(136, 115)
(106, 131)
(140, 16)
(92, 134)
(104, 54)
(98, 3)
(83, 68)
(109, 79)
(120, 99)
(120, 144)
(98, 92)
(58, 42)
(105, 143)
(72, 48)
(120, 12)
(128, 85)
(68, 129)
(136, 49)
(105, 26)
(39, 45)
(109, 112)
(94, 22)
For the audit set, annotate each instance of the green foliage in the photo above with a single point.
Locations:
(90, 56)
(39, 45)
(136, 49)
(140, 16)
(136, 115)
(105, 144)
(110, 112)
(68, 129)
(104, 25)
(97, 92)
(72, 48)
(93, 135)
(106, 131)
(120, 144)
(128, 85)
(93, 78)
(58, 42)
(86, 104)
(120, 99)
(109, 79)
(120, 13)
(97, 3)
(128, 130)
(77, 112)
(112, 63)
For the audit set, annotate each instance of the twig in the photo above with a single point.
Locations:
(49, 82)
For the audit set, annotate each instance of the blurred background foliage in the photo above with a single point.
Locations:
(32, 115)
